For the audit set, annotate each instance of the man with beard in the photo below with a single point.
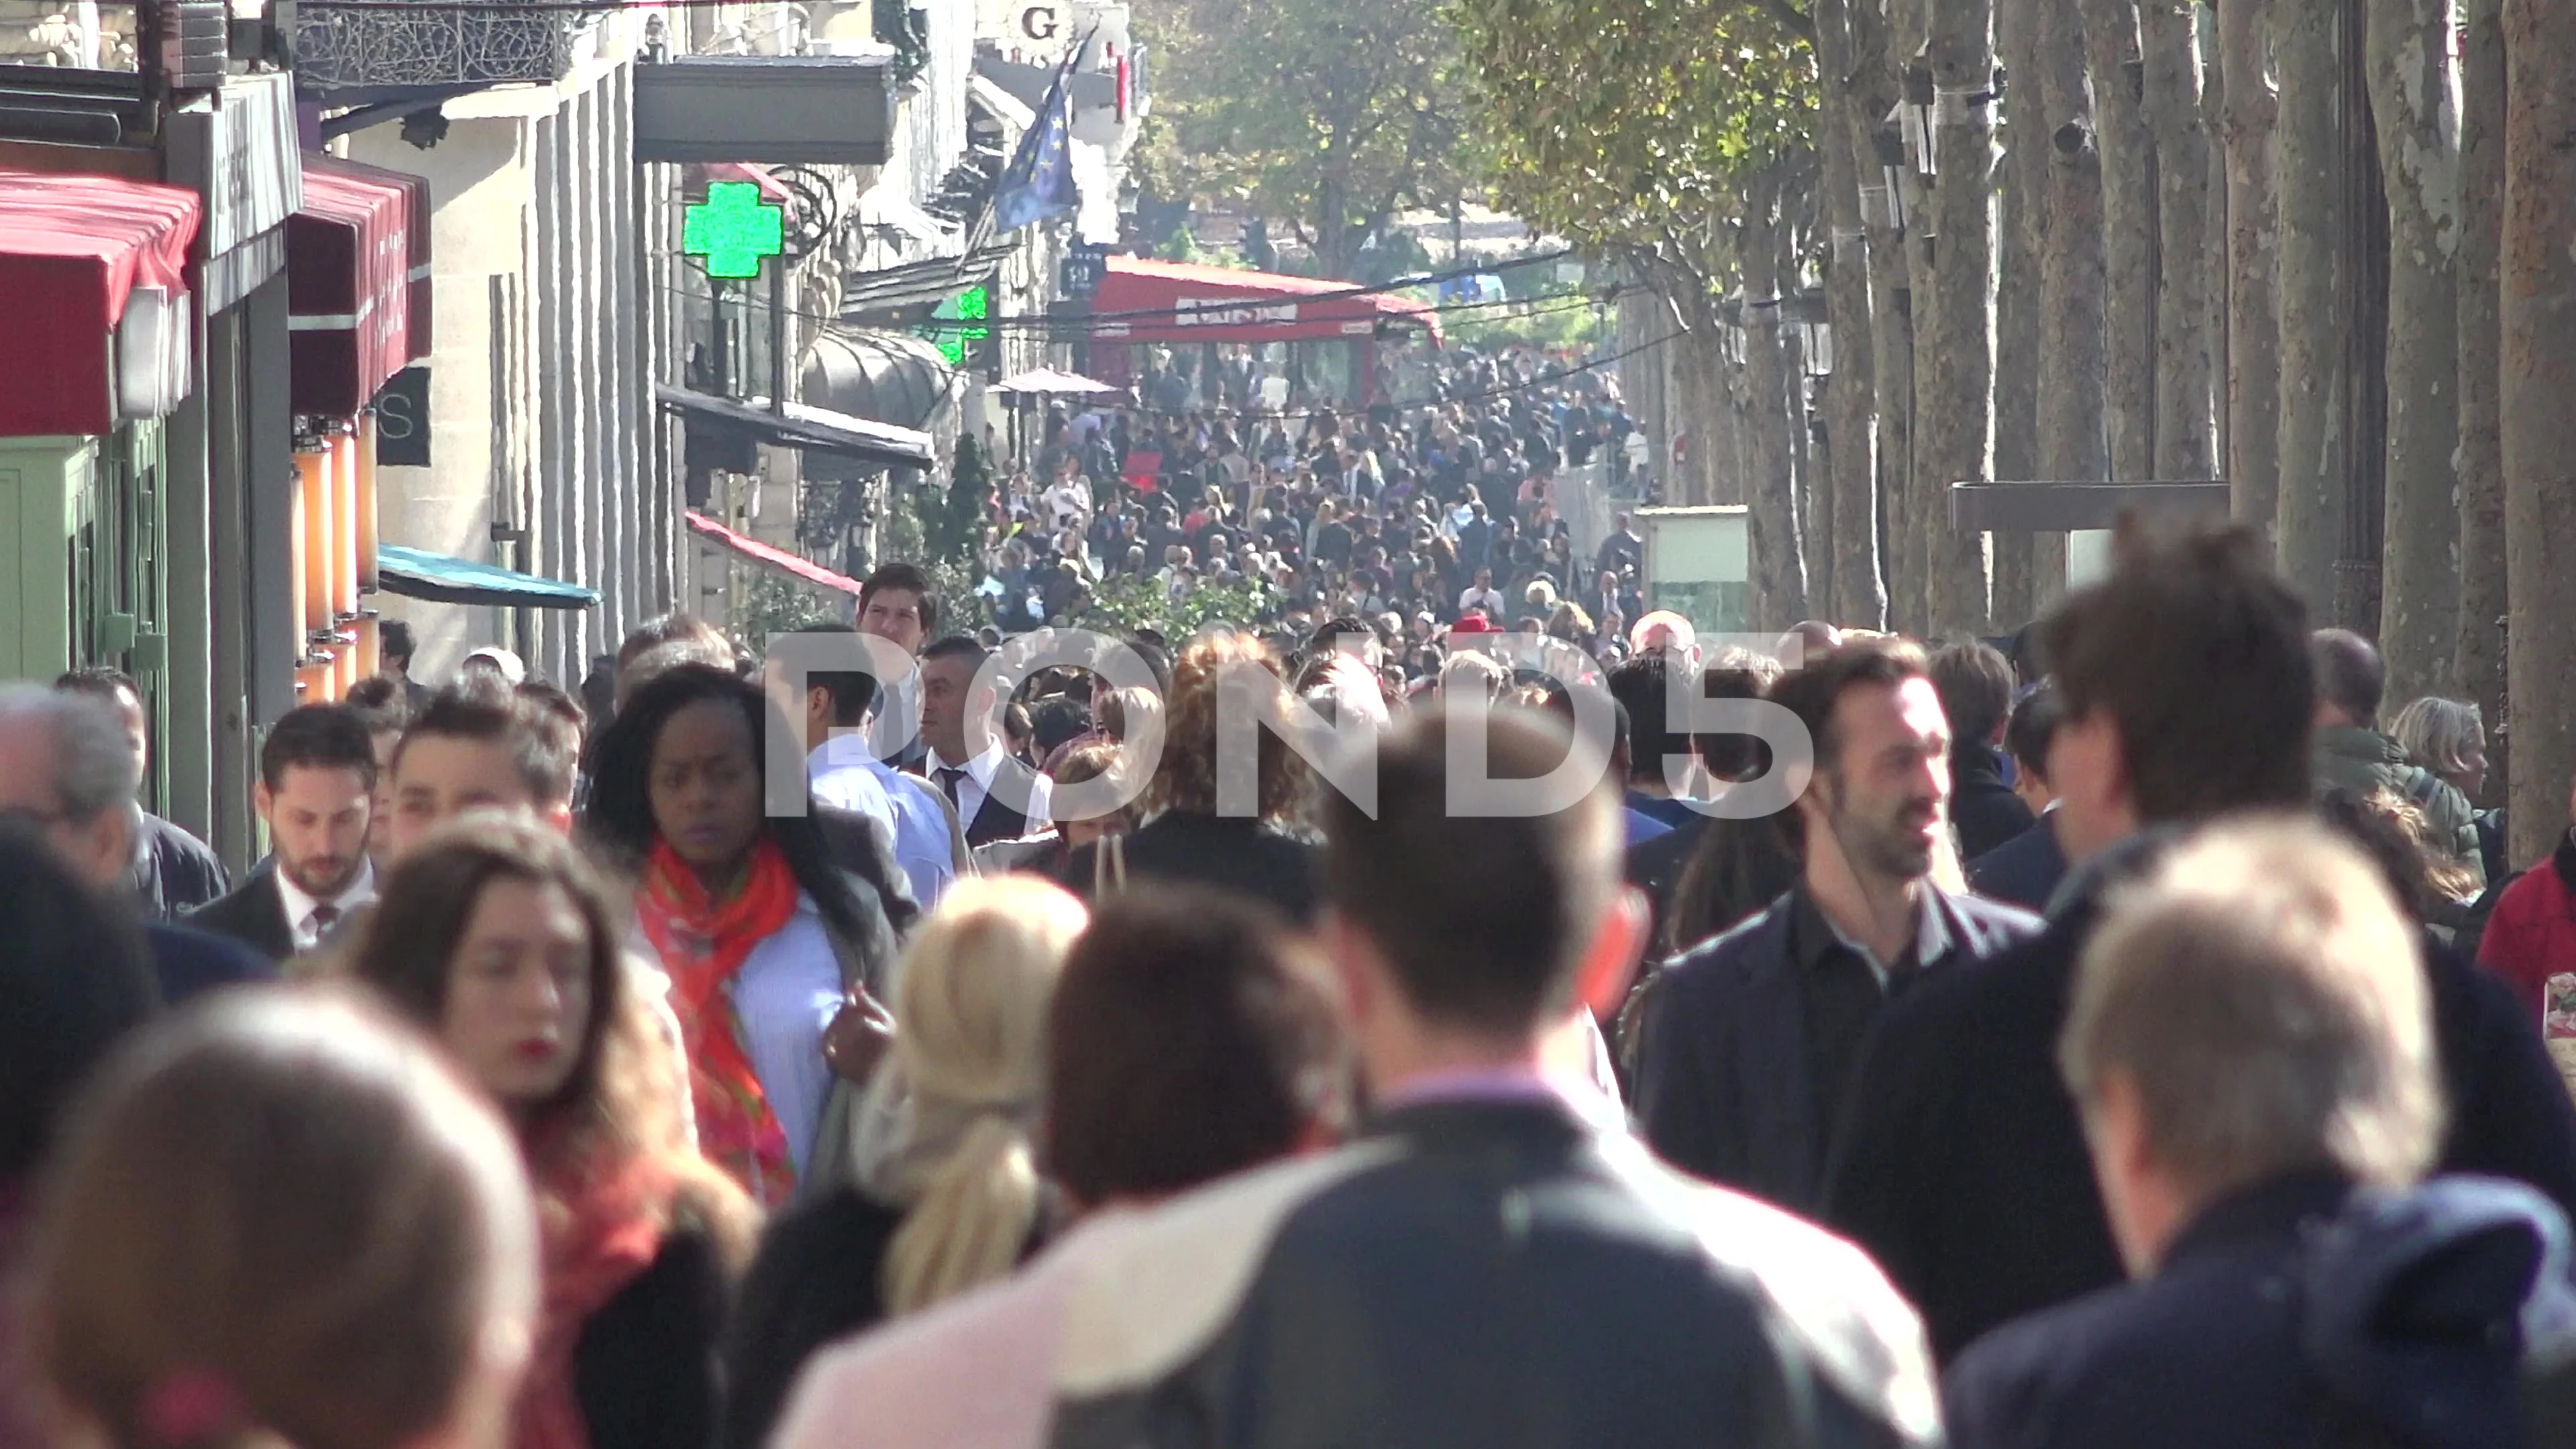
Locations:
(317, 784)
(2189, 697)
(1749, 1041)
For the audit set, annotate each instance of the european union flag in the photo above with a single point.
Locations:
(1038, 184)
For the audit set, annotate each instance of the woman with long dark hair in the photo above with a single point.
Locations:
(75, 979)
(496, 939)
(767, 937)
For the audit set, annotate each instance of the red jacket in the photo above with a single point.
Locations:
(2531, 940)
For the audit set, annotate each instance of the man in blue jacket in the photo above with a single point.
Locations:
(1748, 1042)
(2251, 1047)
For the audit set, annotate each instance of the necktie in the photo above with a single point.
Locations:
(318, 924)
(949, 775)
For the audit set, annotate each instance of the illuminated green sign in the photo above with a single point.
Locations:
(958, 324)
(733, 229)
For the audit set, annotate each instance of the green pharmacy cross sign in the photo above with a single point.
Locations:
(733, 229)
(961, 322)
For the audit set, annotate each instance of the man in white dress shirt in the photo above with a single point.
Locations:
(845, 773)
(898, 604)
(997, 796)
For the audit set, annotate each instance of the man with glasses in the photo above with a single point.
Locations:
(68, 774)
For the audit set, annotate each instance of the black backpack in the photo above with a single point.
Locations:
(2467, 920)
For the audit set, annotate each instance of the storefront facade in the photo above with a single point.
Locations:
(99, 280)
(231, 460)
(358, 297)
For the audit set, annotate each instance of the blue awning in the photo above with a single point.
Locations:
(418, 574)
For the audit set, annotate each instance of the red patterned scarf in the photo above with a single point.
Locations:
(703, 942)
(600, 1227)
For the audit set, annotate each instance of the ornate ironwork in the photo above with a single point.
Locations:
(435, 45)
(816, 214)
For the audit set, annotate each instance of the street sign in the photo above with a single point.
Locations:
(1083, 270)
(402, 420)
(2071, 507)
(733, 229)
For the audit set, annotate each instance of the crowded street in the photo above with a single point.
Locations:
(1121, 723)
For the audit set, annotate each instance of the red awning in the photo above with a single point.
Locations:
(777, 558)
(72, 250)
(1217, 304)
(348, 286)
(415, 190)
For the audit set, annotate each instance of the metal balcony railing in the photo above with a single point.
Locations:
(355, 53)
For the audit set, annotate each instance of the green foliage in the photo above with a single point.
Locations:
(1560, 321)
(774, 604)
(1630, 126)
(1398, 253)
(1325, 115)
(953, 517)
(1125, 604)
(962, 608)
(1181, 246)
(900, 533)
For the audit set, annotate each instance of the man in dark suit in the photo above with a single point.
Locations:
(1656, 866)
(1962, 1166)
(316, 792)
(2027, 869)
(996, 794)
(68, 769)
(1975, 683)
(2250, 1043)
(1748, 1042)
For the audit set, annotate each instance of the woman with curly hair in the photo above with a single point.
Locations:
(769, 926)
(1262, 853)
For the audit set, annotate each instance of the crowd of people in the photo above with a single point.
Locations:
(1406, 514)
(2118, 1042)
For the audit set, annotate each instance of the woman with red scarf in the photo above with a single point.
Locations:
(499, 941)
(767, 939)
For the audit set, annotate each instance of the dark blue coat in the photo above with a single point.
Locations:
(1962, 1167)
(1983, 809)
(2025, 870)
(2298, 1312)
(189, 961)
(1724, 1089)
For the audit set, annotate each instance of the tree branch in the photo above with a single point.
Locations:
(1798, 22)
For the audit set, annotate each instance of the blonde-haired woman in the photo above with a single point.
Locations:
(948, 1195)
